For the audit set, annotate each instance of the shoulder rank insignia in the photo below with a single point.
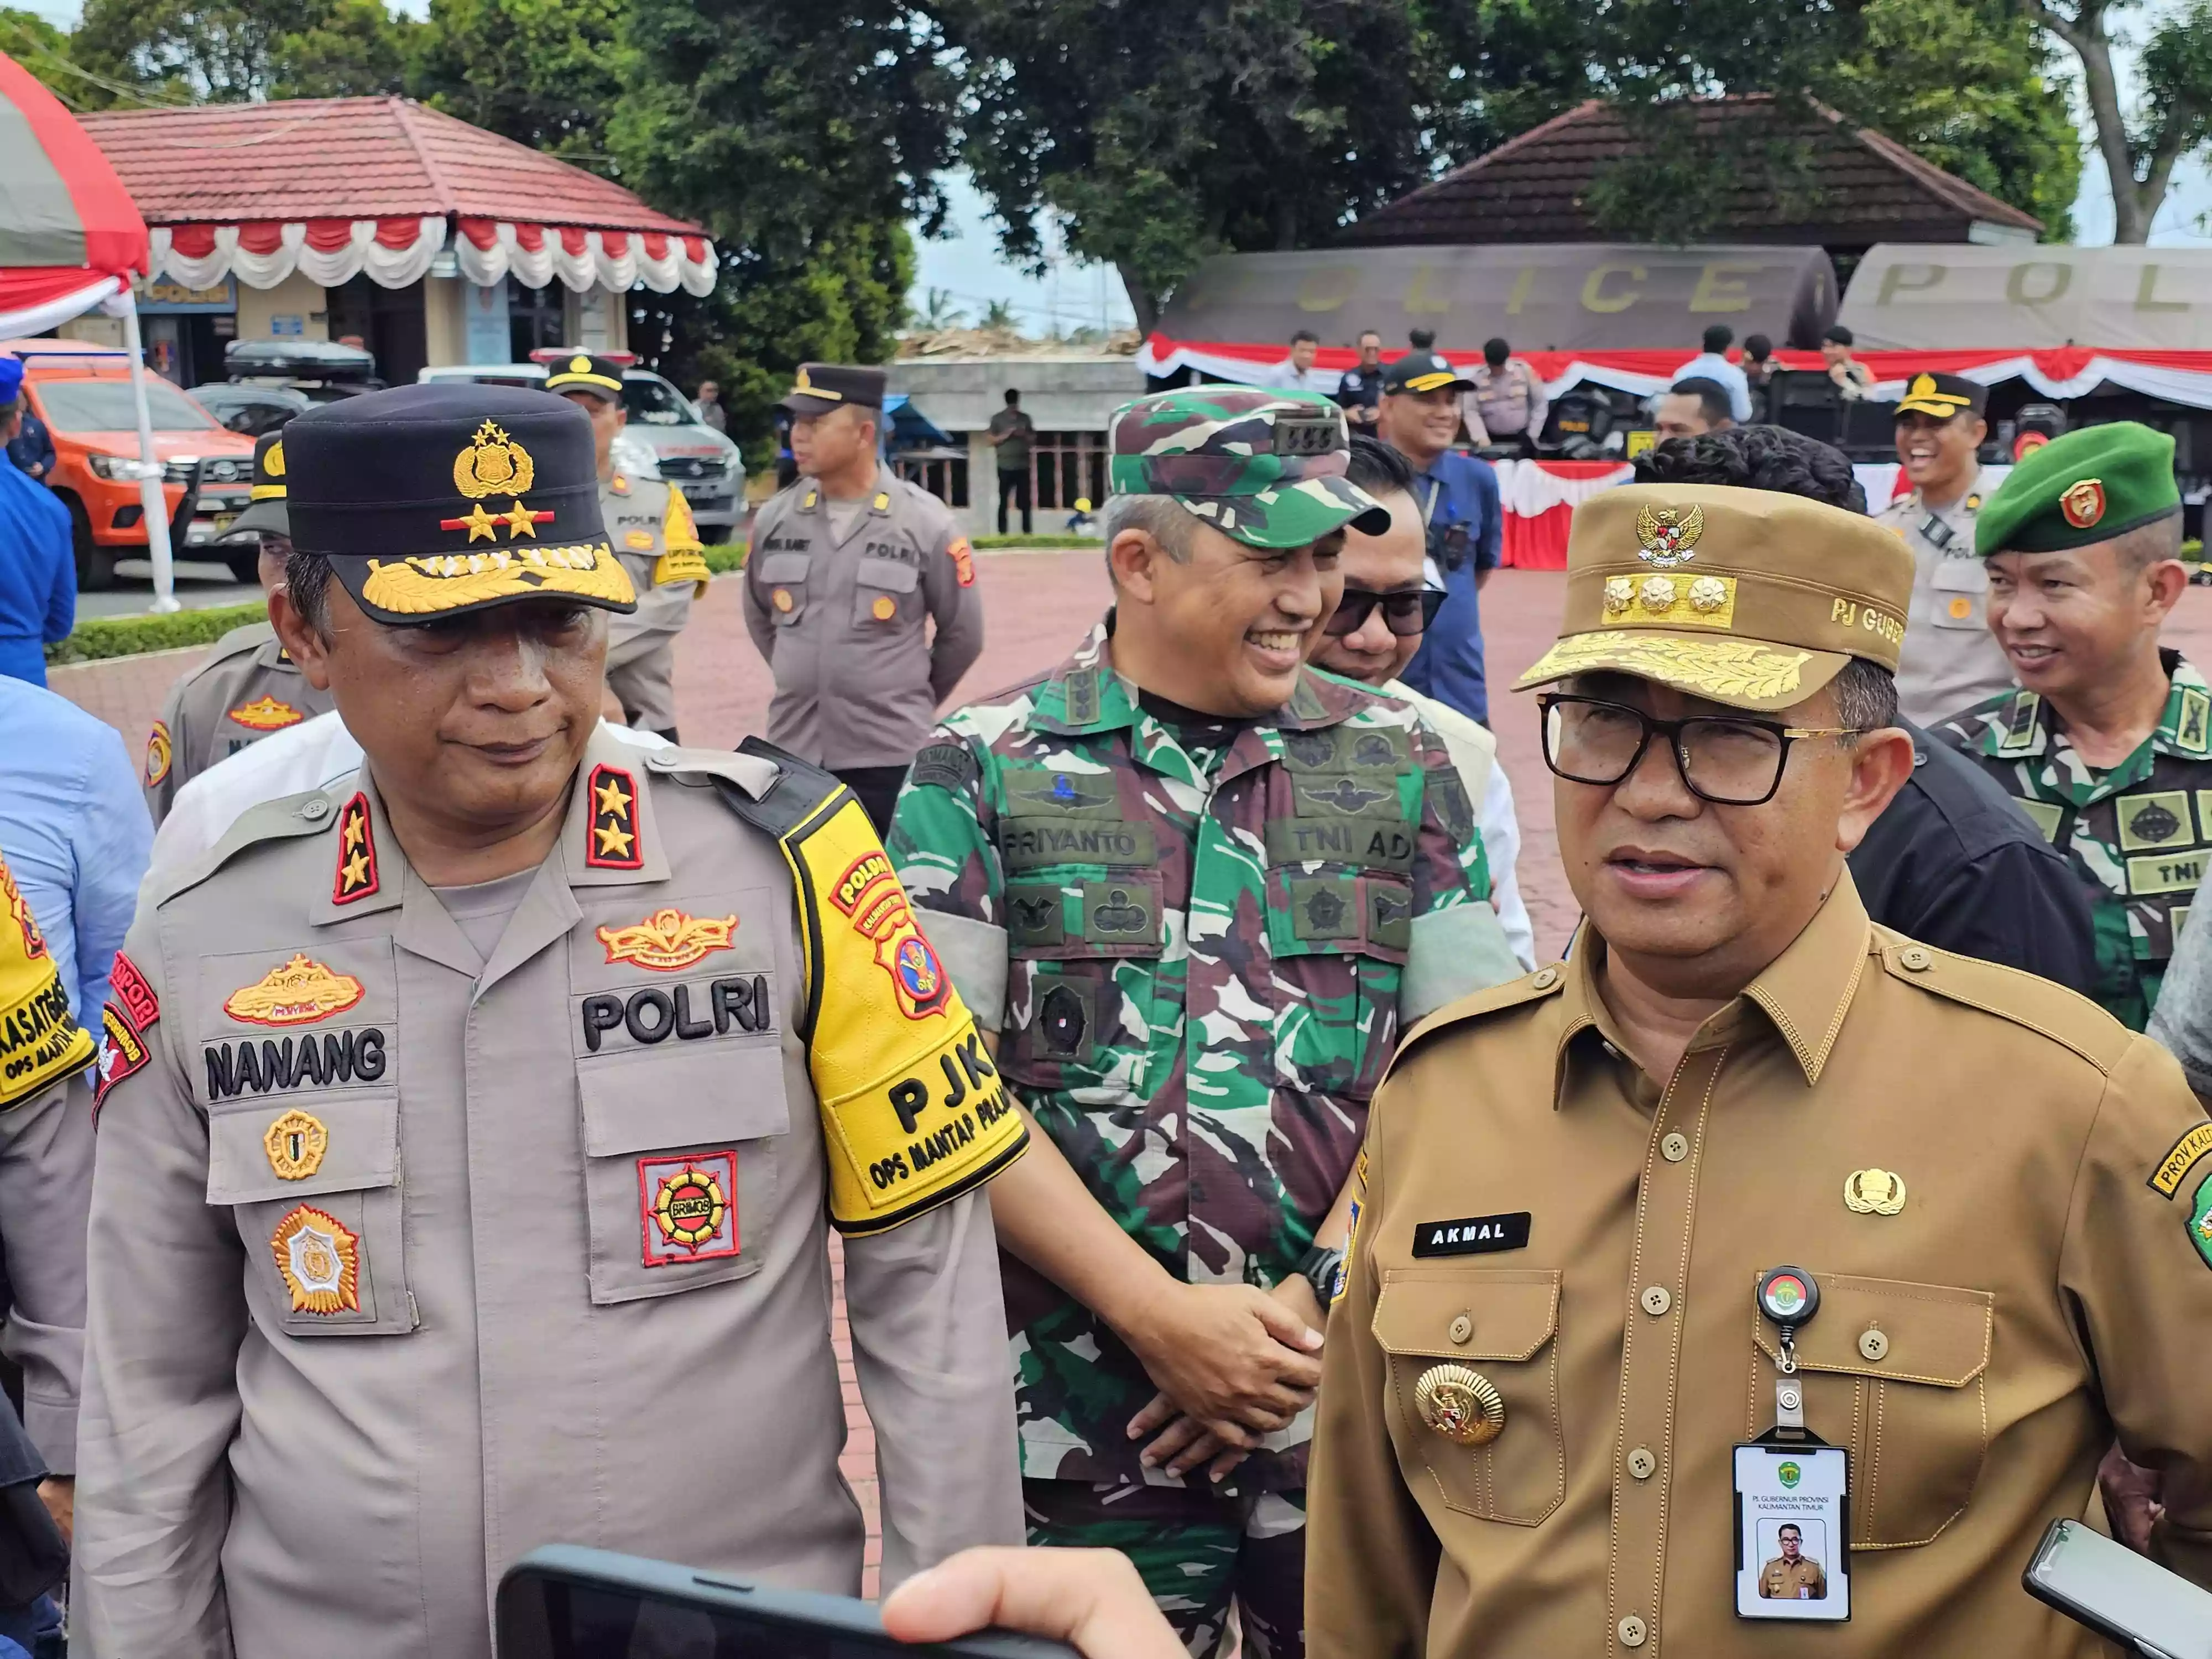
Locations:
(299, 993)
(356, 876)
(614, 842)
(319, 1260)
(158, 753)
(668, 939)
(619, 484)
(265, 714)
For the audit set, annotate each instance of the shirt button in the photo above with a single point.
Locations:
(1915, 959)
(1642, 1463)
(312, 809)
(1675, 1147)
(1873, 1345)
(1545, 978)
(1632, 1631)
(1462, 1329)
(1656, 1300)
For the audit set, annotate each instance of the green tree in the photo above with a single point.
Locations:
(236, 51)
(2141, 146)
(545, 73)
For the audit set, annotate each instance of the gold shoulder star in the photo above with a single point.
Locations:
(614, 841)
(612, 799)
(357, 870)
(356, 830)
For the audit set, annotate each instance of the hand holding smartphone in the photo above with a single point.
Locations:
(2127, 1598)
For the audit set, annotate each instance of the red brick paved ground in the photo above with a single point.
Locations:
(1039, 605)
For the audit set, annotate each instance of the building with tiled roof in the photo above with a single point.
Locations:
(1863, 188)
(430, 240)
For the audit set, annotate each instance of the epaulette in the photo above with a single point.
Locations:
(288, 817)
(244, 638)
(1547, 981)
(773, 791)
(2035, 1004)
(753, 776)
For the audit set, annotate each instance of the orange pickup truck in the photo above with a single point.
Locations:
(82, 392)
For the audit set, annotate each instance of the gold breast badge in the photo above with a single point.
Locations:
(1874, 1192)
(1462, 1405)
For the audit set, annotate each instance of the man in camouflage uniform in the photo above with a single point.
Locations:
(245, 687)
(2108, 741)
(1196, 889)
(650, 525)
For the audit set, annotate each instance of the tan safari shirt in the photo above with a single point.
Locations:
(409, 1257)
(845, 621)
(1950, 661)
(243, 689)
(2043, 1282)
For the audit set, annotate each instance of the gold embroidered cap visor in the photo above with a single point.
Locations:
(1743, 597)
(432, 500)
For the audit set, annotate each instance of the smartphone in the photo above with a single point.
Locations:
(567, 1602)
(2127, 1598)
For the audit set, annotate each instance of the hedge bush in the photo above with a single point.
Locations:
(98, 637)
(1036, 541)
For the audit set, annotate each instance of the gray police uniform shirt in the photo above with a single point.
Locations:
(1950, 661)
(844, 620)
(649, 524)
(388, 1290)
(245, 688)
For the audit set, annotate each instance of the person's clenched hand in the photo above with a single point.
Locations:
(1093, 1599)
(2131, 1499)
(1231, 1356)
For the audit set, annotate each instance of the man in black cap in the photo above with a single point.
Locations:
(1951, 662)
(649, 524)
(1457, 493)
(392, 1281)
(848, 568)
(247, 686)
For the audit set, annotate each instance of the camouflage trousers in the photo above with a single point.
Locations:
(1197, 1550)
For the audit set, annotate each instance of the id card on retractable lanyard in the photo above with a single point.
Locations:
(1793, 1489)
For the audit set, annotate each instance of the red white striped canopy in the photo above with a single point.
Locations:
(395, 251)
(69, 235)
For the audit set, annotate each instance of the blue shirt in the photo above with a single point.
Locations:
(33, 446)
(38, 576)
(1456, 489)
(73, 825)
(1711, 366)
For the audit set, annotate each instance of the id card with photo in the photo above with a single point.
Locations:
(1793, 1529)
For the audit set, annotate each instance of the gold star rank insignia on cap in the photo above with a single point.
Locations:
(481, 526)
(521, 521)
(614, 843)
(356, 871)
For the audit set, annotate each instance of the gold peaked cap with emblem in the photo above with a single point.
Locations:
(1744, 597)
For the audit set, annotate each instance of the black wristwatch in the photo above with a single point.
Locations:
(1319, 1268)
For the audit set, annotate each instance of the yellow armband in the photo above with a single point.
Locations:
(686, 561)
(40, 1043)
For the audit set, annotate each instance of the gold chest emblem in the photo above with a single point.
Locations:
(265, 714)
(299, 993)
(295, 1143)
(1874, 1192)
(668, 939)
(493, 465)
(1462, 1405)
(1665, 535)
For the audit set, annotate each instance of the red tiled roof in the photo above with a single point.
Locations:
(348, 158)
(1867, 188)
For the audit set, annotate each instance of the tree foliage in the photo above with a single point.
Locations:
(545, 73)
(234, 51)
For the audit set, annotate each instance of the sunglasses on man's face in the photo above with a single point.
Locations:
(1405, 613)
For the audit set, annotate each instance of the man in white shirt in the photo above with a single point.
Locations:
(1712, 364)
(1376, 630)
(1299, 374)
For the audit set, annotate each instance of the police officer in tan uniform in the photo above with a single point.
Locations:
(649, 523)
(245, 687)
(850, 568)
(1550, 1345)
(466, 1165)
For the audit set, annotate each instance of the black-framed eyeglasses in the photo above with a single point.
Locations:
(1729, 760)
(1405, 613)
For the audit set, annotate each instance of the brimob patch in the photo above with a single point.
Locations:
(688, 1207)
(319, 1260)
(1475, 1235)
(123, 1050)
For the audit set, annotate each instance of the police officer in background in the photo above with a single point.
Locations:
(1950, 662)
(332, 1392)
(247, 686)
(849, 566)
(1546, 1356)
(649, 523)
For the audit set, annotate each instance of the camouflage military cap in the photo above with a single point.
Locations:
(2088, 486)
(1267, 468)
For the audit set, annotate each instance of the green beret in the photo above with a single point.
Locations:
(2086, 487)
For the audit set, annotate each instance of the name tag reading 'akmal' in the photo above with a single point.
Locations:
(1477, 1235)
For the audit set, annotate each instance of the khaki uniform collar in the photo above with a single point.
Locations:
(1804, 992)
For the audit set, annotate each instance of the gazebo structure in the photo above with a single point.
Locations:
(380, 220)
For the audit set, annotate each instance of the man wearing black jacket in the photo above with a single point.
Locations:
(1952, 861)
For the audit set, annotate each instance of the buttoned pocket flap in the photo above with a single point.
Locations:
(1510, 1315)
(786, 567)
(302, 1144)
(636, 1103)
(888, 574)
(1934, 1334)
(1960, 576)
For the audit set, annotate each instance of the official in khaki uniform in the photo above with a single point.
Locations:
(649, 524)
(245, 687)
(386, 1288)
(1549, 1342)
(849, 567)
(1950, 661)
(1792, 1576)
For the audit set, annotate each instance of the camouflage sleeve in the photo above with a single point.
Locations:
(1457, 945)
(940, 844)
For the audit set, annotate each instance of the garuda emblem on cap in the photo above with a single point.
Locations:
(1666, 537)
(494, 465)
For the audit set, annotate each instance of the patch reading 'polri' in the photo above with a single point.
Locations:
(1477, 1235)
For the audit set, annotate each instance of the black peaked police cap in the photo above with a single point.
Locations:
(431, 501)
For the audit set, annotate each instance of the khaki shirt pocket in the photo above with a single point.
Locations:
(680, 1165)
(313, 1182)
(883, 594)
(1501, 1325)
(1896, 1372)
(783, 586)
(1961, 587)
